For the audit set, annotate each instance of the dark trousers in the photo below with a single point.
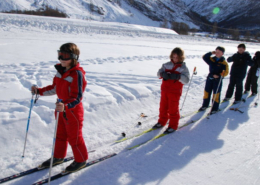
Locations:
(212, 85)
(238, 82)
(251, 82)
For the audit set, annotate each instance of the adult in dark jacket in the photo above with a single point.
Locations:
(252, 76)
(240, 60)
(217, 65)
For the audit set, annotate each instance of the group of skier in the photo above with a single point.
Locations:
(175, 74)
(69, 84)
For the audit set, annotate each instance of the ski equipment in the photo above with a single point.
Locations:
(54, 139)
(214, 98)
(28, 121)
(62, 174)
(194, 73)
(142, 115)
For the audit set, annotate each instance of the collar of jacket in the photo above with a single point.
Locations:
(61, 69)
(220, 60)
(243, 54)
(178, 63)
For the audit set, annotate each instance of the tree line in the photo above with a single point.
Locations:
(214, 31)
(46, 11)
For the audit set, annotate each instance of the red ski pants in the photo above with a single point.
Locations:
(169, 109)
(70, 131)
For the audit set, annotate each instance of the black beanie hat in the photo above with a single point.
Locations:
(221, 49)
(241, 46)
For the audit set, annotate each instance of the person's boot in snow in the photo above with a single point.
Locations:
(202, 109)
(236, 102)
(226, 99)
(75, 166)
(157, 125)
(169, 130)
(214, 111)
(47, 163)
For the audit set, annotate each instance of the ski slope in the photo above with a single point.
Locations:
(121, 62)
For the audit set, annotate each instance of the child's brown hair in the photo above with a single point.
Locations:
(71, 48)
(178, 51)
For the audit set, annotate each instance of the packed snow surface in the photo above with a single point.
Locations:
(121, 62)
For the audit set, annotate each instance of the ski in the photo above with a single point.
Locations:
(63, 173)
(33, 170)
(147, 141)
(151, 129)
(27, 172)
(241, 103)
(137, 135)
(180, 127)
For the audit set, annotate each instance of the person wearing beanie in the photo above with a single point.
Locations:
(241, 60)
(253, 75)
(217, 65)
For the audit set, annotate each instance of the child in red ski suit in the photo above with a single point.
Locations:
(69, 84)
(174, 75)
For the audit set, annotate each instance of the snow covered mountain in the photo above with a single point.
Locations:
(150, 12)
(143, 12)
(243, 14)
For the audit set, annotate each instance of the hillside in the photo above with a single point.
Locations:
(140, 12)
(232, 14)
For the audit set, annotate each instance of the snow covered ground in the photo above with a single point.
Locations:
(121, 62)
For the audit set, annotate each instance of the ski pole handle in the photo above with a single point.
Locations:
(58, 101)
(222, 74)
(195, 71)
(33, 92)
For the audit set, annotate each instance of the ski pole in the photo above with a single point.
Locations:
(142, 115)
(215, 96)
(194, 73)
(28, 122)
(54, 140)
(256, 103)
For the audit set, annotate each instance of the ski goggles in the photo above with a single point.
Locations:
(62, 55)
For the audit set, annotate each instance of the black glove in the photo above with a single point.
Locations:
(257, 55)
(165, 76)
(174, 76)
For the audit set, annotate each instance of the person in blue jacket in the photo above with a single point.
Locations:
(241, 60)
(217, 65)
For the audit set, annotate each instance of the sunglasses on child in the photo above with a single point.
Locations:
(62, 55)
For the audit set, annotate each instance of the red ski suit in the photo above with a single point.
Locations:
(69, 86)
(171, 91)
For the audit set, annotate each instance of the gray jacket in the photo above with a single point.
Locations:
(185, 74)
